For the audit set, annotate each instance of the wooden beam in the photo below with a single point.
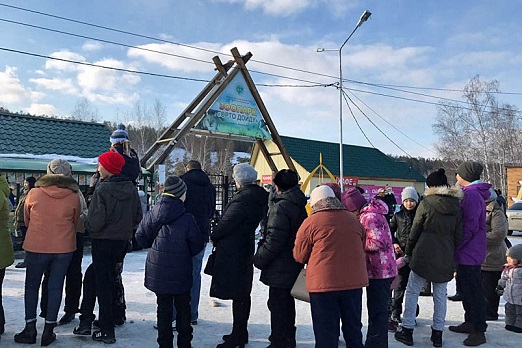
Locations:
(266, 116)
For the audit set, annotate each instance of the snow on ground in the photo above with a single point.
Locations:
(216, 321)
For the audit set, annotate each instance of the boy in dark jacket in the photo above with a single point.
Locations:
(109, 237)
(275, 259)
(400, 226)
(174, 238)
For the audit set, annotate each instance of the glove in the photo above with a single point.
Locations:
(499, 290)
(406, 259)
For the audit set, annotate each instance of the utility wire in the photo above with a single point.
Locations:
(103, 66)
(313, 84)
(356, 121)
(150, 50)
(104, 41)
(218, 52)
(373, 123)
(391, 124)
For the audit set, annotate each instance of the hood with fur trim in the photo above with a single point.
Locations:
(441, 205)
(50, 182)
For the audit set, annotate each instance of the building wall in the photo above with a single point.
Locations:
(513, 177)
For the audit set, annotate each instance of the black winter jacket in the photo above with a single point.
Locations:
(233, 238)
(435, 234)
(201, 198)
(400, 226)
(114, 209)
(175, 238)
(274, 254)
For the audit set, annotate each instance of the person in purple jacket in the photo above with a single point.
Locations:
(472, 252)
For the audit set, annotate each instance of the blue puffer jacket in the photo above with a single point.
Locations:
(175, 238)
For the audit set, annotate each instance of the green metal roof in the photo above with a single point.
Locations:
(359, 161)
(21, 134)
(40, 165)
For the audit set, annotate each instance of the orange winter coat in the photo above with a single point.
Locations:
(52, 210)
(331, 243)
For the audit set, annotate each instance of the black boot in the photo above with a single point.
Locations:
(405, 336)
(48, 335)
(436, 337)
(84, 328)
(67, 318)
(236, 337)
(28, 334)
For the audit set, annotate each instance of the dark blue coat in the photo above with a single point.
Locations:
(174, 237)
(201, 198)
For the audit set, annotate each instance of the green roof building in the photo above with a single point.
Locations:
(363, 166)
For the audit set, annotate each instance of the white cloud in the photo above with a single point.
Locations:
(291, 7)
(43, 109)
(107, 86)
(61, 65)
(91, 46)
(13, 91)
(57, 84)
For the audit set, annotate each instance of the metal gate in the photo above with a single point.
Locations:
(225, 189)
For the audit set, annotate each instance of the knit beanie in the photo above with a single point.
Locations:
(437, 178)
(319, 193)
(59, 166)
(119, 135)
(410, 193)
(285, 179)
(335, 188)
(352, 199)
(244, 174)
(111, 161)
(175, 186)
(515, 252)
(470, 171)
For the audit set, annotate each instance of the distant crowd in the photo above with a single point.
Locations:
(342, 244)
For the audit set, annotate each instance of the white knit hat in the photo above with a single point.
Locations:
(319, 193)
(410, 193)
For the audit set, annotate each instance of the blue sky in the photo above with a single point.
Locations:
(422, 44)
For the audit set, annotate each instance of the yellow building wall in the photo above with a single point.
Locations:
(259, 162)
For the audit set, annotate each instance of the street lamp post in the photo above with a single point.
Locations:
(364, 17)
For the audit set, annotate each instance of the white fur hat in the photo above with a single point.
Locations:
(319, 193)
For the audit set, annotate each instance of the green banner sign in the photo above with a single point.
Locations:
(235, 112)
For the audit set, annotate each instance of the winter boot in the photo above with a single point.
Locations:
(48, 335)
(436, 337)
(514, 328)
(405, 336)
(67, 318)
(475, 339)
(105, 337)
(28, 334)
(465, 327)
(84, 328)
(236, 337)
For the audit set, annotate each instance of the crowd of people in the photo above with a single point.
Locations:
(450, 230)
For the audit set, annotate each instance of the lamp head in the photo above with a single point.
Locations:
(364, 17)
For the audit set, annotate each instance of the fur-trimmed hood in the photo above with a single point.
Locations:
(57, 185)
(446, 191)
(442, 199)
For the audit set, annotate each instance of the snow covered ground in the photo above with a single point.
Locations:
(216, 321)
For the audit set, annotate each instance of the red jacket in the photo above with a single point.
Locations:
(331, 243)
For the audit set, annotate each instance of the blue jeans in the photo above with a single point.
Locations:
(413, 289)
(197, 264)
(37, 264)
(378, 297)
(328, 308)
